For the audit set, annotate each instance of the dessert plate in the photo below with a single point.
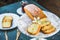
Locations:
(14, 22)
(19, 11)
(25, 21)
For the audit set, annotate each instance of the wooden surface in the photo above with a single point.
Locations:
(6, 2)
(52, 5)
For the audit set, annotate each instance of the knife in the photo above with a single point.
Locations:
(6, 36)
(18, 34)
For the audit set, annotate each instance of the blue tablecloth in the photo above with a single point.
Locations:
(12, 33)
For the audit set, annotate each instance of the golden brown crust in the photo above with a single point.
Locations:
(29, 14)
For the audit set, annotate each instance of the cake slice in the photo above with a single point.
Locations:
(33, 11)
(7, 22)
(34, 29)
(45, 22)
(48, 29)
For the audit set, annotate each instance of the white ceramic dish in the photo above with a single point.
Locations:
(14, 23)
(19, 11)
(24, 21)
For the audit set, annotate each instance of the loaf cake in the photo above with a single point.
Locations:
(7, 22)
(33, 11)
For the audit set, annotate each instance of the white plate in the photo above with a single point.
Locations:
(19, 11)
(25, 21)
(14, 23)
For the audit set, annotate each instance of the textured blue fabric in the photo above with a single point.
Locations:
(12, 33)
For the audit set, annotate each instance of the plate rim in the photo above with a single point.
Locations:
(19, 10)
